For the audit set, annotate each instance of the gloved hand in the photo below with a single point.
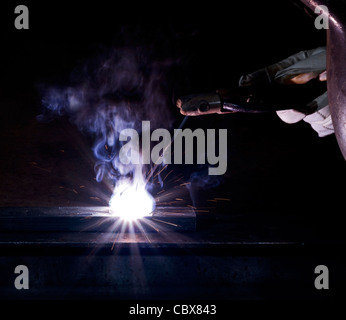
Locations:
(296, 69)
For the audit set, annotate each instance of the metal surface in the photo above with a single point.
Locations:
(336, 64)
(169, 276)
(243, 257)
(217, 234)
(93, 219)
(233, 257)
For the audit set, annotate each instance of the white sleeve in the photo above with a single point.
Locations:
(321, 121)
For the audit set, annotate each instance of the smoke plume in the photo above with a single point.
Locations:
(114, 91)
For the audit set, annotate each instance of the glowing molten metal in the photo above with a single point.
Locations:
(130, 200)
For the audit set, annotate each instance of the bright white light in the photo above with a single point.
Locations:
(131, 201)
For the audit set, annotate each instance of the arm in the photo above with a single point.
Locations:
(275, 87)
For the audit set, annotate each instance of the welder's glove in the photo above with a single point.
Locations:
(298, 69)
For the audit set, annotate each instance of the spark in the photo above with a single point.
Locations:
(166, 222)
(46, 170)
(175, 135)
(185, 184)
(167, 175)
(148, 222)
(157, 174)
(222, 199)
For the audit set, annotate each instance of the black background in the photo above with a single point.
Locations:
(274, 169)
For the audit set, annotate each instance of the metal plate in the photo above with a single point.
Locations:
(93, 219)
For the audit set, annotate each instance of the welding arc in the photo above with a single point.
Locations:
(174, 136)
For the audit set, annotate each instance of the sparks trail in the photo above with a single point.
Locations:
(173, 194)
(35, 165)
(163, 152)
(166, 222)
(157, 174)
(185, 184)
(152, 225)
(167, 175)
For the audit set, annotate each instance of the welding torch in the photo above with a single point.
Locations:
(293, 83)
(257, 99)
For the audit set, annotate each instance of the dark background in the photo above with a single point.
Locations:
(284, 185)
(273, 168)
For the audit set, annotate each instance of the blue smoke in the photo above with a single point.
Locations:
(114, 91)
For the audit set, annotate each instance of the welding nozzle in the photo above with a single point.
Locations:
(200, 104)
(222, 101)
